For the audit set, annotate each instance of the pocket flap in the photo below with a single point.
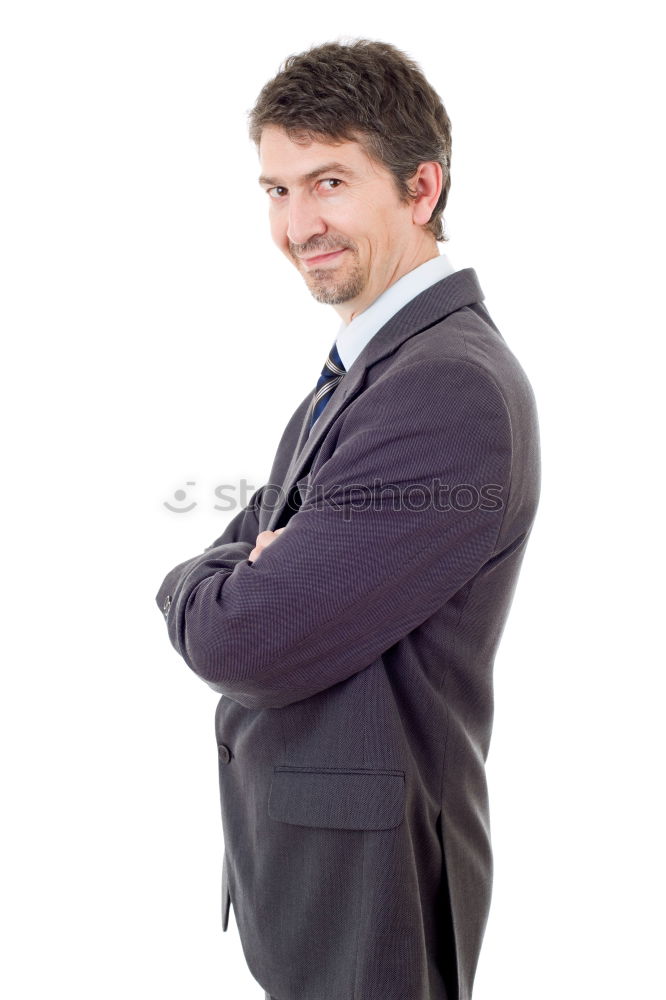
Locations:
(342, 799)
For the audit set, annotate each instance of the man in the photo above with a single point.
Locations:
(350, 614)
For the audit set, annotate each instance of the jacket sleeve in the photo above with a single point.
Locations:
(234, 544)
(405, 511)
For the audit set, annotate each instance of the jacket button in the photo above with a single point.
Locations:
(224, 753)
(167, 604)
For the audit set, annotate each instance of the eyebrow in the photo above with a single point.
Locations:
(325, 168)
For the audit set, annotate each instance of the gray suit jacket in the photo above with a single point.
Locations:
(355, 655)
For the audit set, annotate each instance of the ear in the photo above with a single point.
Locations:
(426, 187)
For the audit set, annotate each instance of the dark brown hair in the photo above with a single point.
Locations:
(366, 91)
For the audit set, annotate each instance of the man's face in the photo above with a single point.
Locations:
(335, 213)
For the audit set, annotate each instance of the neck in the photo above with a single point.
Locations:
(427, 250)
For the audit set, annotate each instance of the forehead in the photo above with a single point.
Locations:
(286, 161)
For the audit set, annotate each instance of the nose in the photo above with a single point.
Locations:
(305, 219)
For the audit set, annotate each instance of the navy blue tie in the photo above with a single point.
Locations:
(331, 374)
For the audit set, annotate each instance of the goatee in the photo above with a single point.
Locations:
(325, 287)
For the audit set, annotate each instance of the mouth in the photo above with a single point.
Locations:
(320, 259)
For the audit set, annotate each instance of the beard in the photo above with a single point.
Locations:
(328, 285)
(330, 289)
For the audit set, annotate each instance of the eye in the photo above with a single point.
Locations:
(275, 192)
(331, 180)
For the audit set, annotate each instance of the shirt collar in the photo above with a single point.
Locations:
(352, 337)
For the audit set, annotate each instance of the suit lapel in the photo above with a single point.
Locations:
(459, 289)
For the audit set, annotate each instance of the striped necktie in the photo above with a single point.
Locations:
(332, 372)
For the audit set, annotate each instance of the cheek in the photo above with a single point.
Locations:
(364, 221)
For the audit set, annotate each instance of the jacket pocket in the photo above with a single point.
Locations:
(339, 798)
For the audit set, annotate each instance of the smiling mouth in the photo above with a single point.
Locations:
(321, 258)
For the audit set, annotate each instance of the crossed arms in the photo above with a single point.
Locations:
(341, 582)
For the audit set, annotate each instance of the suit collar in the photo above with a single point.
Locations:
(459, 289)
(352, 337)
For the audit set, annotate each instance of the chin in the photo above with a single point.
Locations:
(334, 294)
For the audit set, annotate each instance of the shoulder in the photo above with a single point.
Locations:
(466, 345)
(456, 361)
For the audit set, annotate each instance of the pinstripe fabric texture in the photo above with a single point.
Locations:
(331, 374)
(354, 659)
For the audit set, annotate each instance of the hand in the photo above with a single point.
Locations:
(264, 538)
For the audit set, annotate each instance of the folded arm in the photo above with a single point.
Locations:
(372, 552)
(234, 544)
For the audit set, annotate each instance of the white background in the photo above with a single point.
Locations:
(142, 302)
